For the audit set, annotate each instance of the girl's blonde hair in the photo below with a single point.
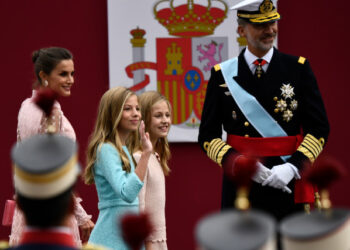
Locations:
(106, 129)
(146, 101)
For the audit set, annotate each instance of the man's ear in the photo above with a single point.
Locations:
(241, 30)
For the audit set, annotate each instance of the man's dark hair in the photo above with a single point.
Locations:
(241, 21)
(45, 213)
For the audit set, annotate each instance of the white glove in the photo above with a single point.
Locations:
(262, 173)
(281, 176)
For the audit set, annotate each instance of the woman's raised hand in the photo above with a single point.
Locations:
(145, 139)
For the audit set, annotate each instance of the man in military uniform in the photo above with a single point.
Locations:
(45, 172)
(270, 106)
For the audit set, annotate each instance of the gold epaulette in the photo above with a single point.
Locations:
(216, 149)
(217, 67)
(90, 246)
(301, 60)
(311, 147)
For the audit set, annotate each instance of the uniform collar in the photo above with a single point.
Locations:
(250, 58)
(54, 235)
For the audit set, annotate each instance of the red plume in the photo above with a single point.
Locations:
(241, 170)
(135, 229)
(324, 171)
(45, 100)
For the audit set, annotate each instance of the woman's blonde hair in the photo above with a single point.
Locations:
(146, 101)
(106, 129)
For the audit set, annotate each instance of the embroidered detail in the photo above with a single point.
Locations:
(223, 85)
(228, 93)
(217, 149)
(301, 60)
(306, 153)
(222, 152)
(311, 147)
(266, 6)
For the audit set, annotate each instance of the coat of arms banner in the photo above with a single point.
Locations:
(170, 46)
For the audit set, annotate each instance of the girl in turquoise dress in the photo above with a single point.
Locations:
(110, 166)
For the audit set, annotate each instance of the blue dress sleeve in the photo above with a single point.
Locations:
(125, 185)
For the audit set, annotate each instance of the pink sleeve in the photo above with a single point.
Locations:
(17, 228)
(66, 128)
(29, 120)
(79, 212)
(142, 194)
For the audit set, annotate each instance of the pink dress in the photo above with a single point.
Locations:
(152, 200)
(29, 123)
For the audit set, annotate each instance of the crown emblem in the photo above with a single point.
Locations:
(138, 33)
(266, 6)
(138, 40)
(190, 19)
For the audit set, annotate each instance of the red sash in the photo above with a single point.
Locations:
(274, 146)
(263, 147)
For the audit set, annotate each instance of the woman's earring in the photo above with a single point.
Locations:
(46, 83)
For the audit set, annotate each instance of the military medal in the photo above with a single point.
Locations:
(287, 91)
(294, 104)
(281, 105)
(287, 115)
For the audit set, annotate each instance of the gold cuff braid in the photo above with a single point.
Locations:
(311, 147)
(216, 149)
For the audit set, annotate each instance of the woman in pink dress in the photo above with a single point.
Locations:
(54, 69)
(156, 113)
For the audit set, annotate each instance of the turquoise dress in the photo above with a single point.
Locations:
(117, 192)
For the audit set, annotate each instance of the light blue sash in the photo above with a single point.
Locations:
(257, 116)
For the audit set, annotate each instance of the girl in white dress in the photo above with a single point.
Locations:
(156, 113)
